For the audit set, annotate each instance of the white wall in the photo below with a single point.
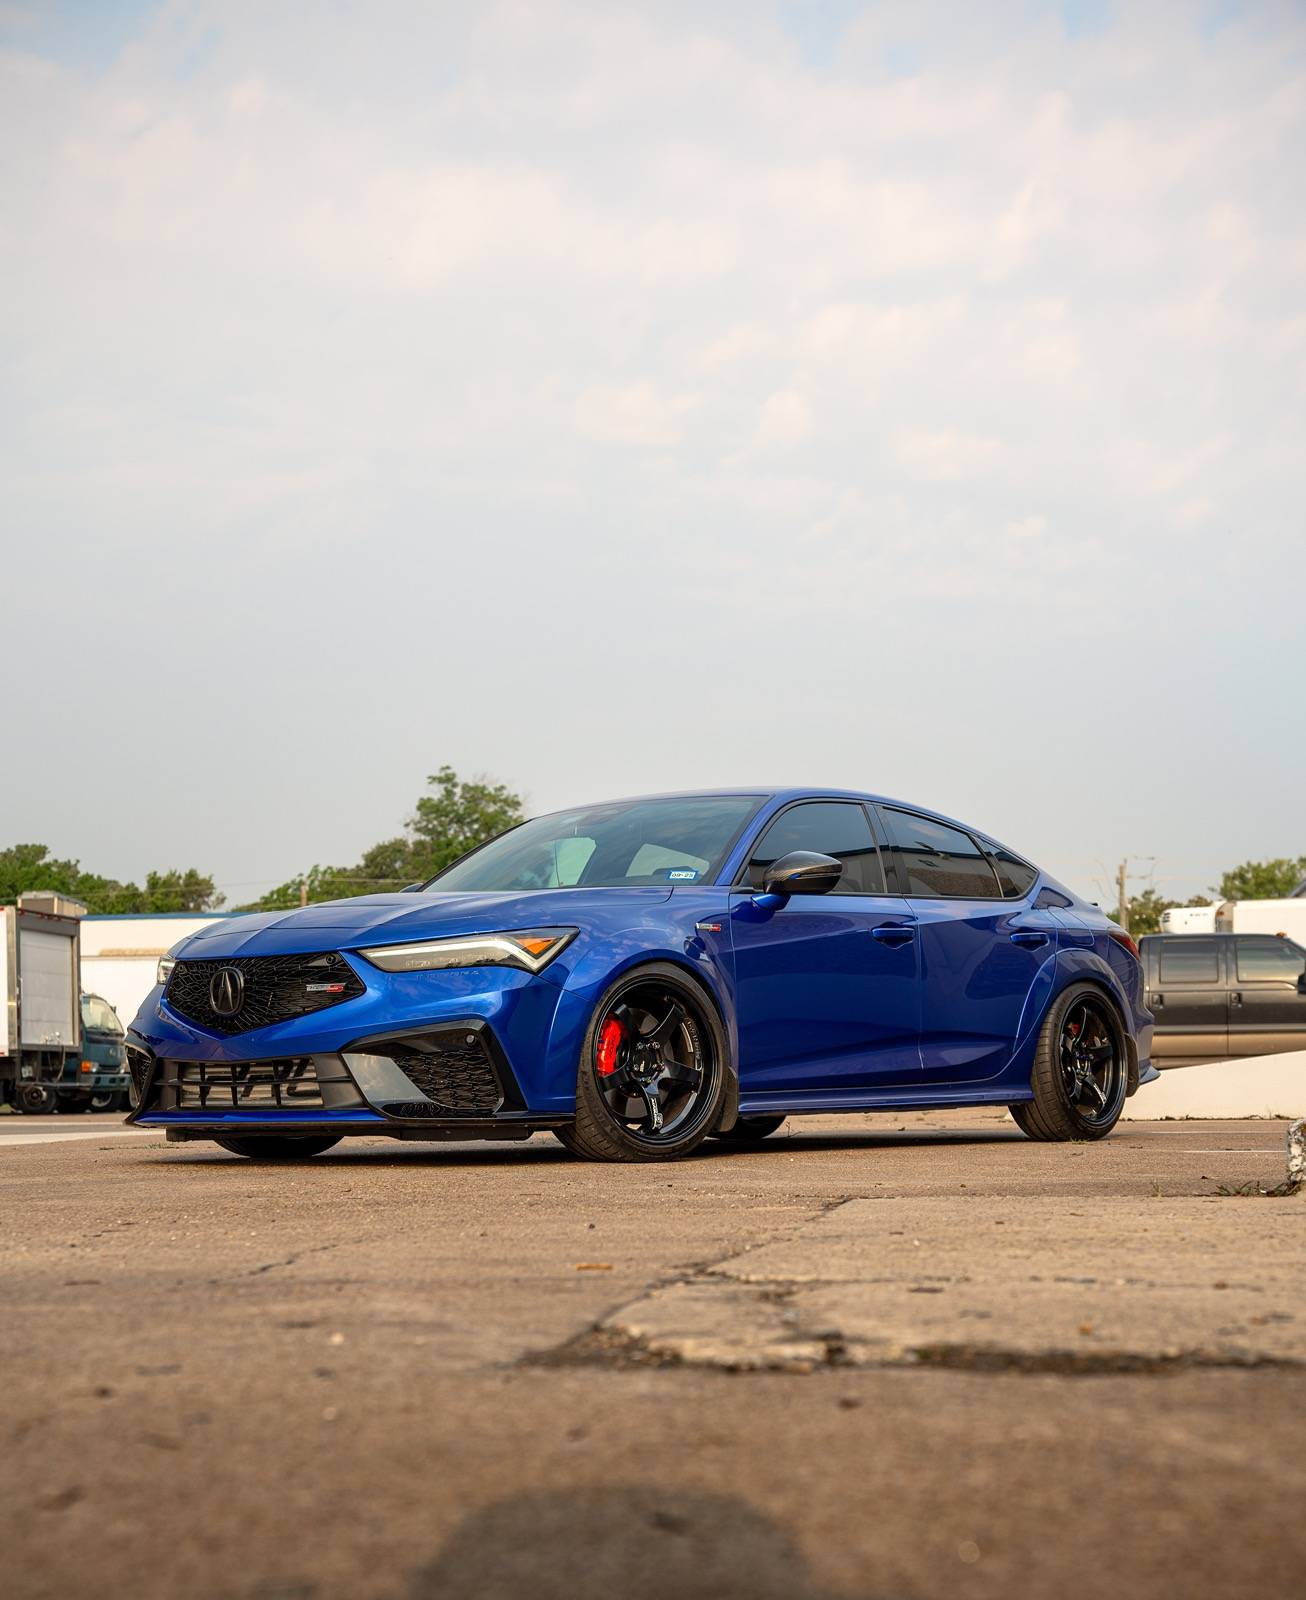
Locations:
(1249, 1086)
(120, 955)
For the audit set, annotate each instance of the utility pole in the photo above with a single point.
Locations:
(1122, 885)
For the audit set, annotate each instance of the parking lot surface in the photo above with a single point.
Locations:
(872, 1357)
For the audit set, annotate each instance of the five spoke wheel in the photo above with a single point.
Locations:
(649, 1060)
(652, 1075)
(1090, 1061)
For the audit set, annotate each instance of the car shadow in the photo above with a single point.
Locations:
(543, 1151)
(619, 1541)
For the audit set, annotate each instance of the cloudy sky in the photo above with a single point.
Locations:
(619, 397)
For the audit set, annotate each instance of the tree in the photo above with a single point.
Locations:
(31, 866)
(457, 817)
(1262, 880)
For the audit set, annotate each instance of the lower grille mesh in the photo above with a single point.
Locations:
(458, 1077)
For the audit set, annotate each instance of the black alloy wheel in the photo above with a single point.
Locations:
(1080, 1077)
(651, 1077)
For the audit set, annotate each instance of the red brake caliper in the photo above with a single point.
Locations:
(611, 1035)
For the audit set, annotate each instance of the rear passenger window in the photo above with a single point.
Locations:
(938, 861)
(1190, 961)
(1268, 959)
(1015, 877)
(831, 828)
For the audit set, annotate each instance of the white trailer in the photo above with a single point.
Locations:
(1188, 919)
(40, 997)
(1285, 917)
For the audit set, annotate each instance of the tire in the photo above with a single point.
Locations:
(1080, 1075)
(638, 1101)
(112, 1100)
(750, 1130)
(79, 1100)
(37, 1099)
(279, 1147)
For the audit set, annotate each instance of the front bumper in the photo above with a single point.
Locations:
(451, 1080)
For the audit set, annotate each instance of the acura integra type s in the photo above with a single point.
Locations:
(636, 977)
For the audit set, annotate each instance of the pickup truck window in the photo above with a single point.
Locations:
(1185, 959)
(1269, 959)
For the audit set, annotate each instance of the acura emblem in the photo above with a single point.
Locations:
(227, 991)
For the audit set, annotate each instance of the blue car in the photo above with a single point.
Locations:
(638, 976)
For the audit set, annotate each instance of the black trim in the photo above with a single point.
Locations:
(741, 881)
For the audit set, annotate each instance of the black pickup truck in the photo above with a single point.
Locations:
(1223, 994)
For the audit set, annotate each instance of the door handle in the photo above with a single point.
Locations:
(1156, 1000)
(893, 933)
(1235, 999)
(1031, 940)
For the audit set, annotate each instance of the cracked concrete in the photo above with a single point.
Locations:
(1058, 1284)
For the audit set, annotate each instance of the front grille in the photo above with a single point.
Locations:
(456, 1075)
(274, 989)
(240, 1085)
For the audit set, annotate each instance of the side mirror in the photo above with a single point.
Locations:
(802, 872)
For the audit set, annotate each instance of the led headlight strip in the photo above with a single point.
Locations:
(531, 949)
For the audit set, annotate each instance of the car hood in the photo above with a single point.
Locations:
(391, 918)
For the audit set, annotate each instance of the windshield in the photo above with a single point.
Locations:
(630, 842)
(99, 1016)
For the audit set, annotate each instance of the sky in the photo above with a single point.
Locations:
(613, 398)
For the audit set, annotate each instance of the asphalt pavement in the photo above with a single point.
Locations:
(873, 1357)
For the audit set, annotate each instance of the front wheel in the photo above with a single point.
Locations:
(652, 1071)
(277, 1147)
(1080, 1078)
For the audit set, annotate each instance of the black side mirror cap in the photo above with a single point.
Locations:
(802, 872)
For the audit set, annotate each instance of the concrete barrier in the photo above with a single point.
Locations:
(1247, 1086)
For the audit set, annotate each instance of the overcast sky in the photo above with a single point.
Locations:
(615, 397)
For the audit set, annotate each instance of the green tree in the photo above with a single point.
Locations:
(455, 818)
(1262, 880)
(31, 866)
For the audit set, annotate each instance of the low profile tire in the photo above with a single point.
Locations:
(274, 1147)
(1080, 1076)
(652, 1073)
(750, 1130)
(37, 1099)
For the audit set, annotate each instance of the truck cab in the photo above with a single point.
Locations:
(96, 1079)
(1222, 995)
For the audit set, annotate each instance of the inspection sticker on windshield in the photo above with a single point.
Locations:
(682, 872)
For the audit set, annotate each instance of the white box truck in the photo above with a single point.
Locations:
(40, 997)
(1285, 917)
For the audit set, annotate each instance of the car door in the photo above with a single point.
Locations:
(826, 986)
(1267, 995)
(1188, 997)
(980, 953)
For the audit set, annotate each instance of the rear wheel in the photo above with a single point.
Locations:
(35, 1098)
(278, 1147)
(749, 1130)
(651, 1077)
(1080, 1077)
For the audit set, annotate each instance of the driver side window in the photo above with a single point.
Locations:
(835, 828)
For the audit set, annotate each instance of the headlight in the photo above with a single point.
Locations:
(531, 949)
(164, 972)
